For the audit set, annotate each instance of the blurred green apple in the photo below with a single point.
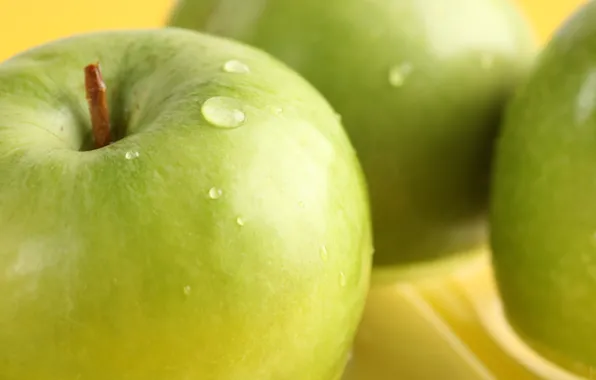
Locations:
(223, 234)
(543, 210)
(419, 84)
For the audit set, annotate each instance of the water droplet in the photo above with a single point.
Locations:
(223, 112)
(240, 221)
(131, 155)
(235, 66)
(487, 61)
(215, 193)
(594, 238)
(275, 110)
(586, 99)
(342, 279)
(349, 356)
(399, 73)
(187, 289)
(323, 252)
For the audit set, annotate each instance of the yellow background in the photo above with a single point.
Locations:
(26, 23)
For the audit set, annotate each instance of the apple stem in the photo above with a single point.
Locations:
(98, 106)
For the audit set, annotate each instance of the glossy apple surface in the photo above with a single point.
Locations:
(419, 84)
(225, 235)
(543, 210)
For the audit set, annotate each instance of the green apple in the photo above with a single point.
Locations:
(543, 207)
(223, 234)
(419, 85)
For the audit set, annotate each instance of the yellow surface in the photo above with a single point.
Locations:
(547, 15)
(444, 326)
(27, 23)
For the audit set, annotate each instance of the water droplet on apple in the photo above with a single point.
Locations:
(323, 252)
(594, 238)
(342, 279)
(349, 356)
(240, 221)
(399, 73)
(223, 112)
(487, 61)
(215, 193)
(276, 110)
(235, 66)
(131, 155)
(187, 289)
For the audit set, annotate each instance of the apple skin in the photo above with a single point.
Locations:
(425, 140)
(124, 266)
(543, 210)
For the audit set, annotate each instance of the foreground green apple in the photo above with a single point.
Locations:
(419, 85)
(224, 234)
(543, 211)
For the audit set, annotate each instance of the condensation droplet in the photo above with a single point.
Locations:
(398, 74)
(594, 238)
(275, 110)
(240, 221)
(349, 356)
(187, 290)
(235, 66)
(324, 253)
(586, 98)
(487, 61)
(131, 155)
(215, 193)
(223, 112)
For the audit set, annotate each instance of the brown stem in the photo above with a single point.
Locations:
(98, 105)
